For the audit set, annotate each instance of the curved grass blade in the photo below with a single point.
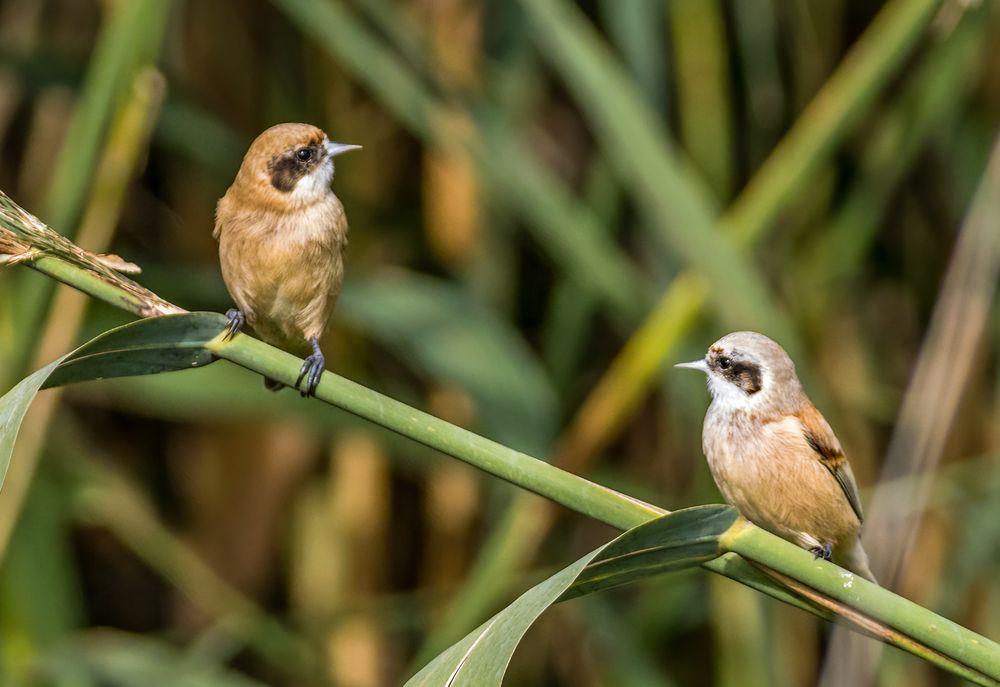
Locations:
(151, 346)
(162, 344)
(679, 540)
(13, 405)
(481, 658)
(683, 539)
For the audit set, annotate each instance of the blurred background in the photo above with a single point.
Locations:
(543, 185)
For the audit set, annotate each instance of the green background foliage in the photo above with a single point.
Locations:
(554, 201)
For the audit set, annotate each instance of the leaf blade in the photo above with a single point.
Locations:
(482, 656)
(13, 406)
(682, 539)
(149, 346)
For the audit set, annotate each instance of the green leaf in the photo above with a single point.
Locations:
(150, 346)
(159, 344)
(13, 406)
(481, 658)
(682, 539)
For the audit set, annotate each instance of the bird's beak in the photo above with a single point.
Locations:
(695, 365)
(334, 149)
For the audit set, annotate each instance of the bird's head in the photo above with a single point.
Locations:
(291, 164)
(747, 369)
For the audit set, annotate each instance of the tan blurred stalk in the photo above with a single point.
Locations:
(451, 202)
(455, 30)
(451, 191)
(20, 25)
(126, 146)
(49, 121)
(791, 628)
(739, 630)
(452, 505)
(703, 87)
(235, 484)
(453, 501)
(926, 417)
(338, 559)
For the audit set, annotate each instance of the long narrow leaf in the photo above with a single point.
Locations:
(13, 405)
(167, 344)
(145, 347)
(679, 540)
(683, 539)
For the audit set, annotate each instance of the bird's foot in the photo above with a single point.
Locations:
(311, 370)
(236, 321)
(824, 551)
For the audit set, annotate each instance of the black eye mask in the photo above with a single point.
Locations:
(286, 169)
(743, 373)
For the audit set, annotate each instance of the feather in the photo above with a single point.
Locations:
(822, 440)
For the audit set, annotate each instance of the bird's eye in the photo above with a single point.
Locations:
(304, 154)
(725, 363)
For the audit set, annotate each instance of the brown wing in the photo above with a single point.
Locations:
(823, 441)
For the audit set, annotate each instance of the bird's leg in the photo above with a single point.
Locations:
(824, 551)
(236, 321)
(311, 370)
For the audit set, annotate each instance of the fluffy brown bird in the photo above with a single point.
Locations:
(772, 453)
(282, 234)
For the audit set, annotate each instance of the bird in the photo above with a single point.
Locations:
(282, 233)
(774, 456)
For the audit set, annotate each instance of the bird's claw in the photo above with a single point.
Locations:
(236, 321)
(825, 551)
(311, 371)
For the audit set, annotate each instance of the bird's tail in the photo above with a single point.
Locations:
(273, 385)
(856, 560)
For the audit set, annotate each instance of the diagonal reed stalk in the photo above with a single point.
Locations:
(817, 586)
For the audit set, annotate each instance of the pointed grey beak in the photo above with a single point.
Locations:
(695, 365)
(334, 149)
